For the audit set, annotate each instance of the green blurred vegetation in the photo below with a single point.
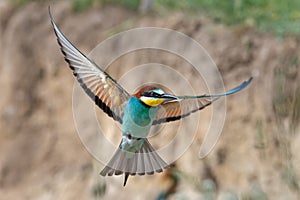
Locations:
(281, 17)
(81, 5)
(268, 15)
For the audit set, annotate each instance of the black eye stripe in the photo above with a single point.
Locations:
(151, 94)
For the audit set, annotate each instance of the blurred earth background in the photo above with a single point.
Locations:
(258, 153)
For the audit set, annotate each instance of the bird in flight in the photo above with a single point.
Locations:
(136, 113)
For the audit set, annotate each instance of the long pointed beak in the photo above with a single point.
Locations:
(169, 97)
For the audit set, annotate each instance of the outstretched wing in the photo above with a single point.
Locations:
(104, 90)
(185, 105)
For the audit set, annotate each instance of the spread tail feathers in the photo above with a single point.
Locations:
(145, 161)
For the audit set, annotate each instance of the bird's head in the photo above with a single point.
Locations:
(154, 96)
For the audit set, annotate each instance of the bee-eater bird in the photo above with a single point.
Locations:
(137, 113)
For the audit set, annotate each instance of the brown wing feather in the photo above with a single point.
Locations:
(104, 90)
(176, 110)
(185, 105)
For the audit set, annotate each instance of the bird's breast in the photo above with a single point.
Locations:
(138, 118)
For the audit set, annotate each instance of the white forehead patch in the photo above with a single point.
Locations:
(158, 91)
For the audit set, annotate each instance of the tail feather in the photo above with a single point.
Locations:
(145, 161)
(141, 164)
(112, 165)
(120, 164)
(134, 166)
(154, 159)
